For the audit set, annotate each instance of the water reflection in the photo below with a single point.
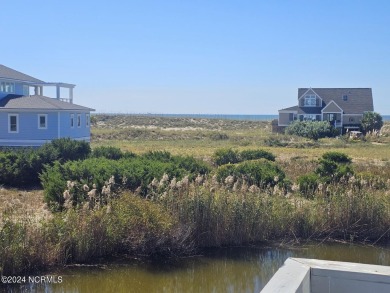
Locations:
(217, 270)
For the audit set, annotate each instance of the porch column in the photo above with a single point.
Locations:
(58, 91)
(36, 91)
(71, 95)
(41, 90)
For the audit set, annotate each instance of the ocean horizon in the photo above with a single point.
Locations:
(247, 117)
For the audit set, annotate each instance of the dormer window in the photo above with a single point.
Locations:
(345, 97)
(310, 100)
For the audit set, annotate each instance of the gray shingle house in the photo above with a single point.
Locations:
(34, 119)
(342, 107)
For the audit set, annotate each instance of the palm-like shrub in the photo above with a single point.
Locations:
(371, 121)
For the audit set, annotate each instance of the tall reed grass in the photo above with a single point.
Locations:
(181, 219)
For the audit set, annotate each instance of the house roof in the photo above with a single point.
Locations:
(18, 102)
(9, 73)
(293, 108)
(359, 100)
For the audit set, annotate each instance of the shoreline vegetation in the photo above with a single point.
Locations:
(157, 187)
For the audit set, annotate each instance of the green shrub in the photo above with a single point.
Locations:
(225, 171)
(188, 163)
(68, 149)
(162, 156)
(230, 156)
(21, 167)
(260, 172)
(111, 153)
(225, 156)
(311, 129)
(256, 154)
(128, 173)
(333, 166)
(337, 157)
(192, 165)
(308, 184)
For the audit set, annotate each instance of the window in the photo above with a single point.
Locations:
(42, 121)
(345, 98)
(72, 120)
(13, 123)
(26, 90)
(78, 120)
(310, 101)
(87, 118)
(7, 87)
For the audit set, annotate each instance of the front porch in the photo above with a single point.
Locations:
(335, 119)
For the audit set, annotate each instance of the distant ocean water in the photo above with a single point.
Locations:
(263, 117)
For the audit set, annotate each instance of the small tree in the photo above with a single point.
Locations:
(371, 121)
(333, 166)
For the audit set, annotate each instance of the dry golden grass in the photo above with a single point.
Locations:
(20, 204)
(197, 137)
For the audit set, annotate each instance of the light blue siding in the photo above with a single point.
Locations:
(76, 132)
(30, 134)
(18, 89)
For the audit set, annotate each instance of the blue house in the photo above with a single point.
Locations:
(28, 118)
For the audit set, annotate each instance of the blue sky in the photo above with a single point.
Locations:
(226, 57)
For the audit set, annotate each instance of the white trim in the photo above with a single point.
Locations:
(23, 142)
(35, 142)
(35, 110)
(17, 123)
(286, 111)
(39, 121)
(311, 115)
(310, 89)
(353, 114)
(38, 83)
(332, 101)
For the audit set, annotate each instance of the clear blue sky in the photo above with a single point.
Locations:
(228, 57)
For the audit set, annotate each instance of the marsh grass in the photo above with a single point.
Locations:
(220, 216)
(131, 226)
(180, 216)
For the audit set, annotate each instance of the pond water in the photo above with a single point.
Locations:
(237, 269)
